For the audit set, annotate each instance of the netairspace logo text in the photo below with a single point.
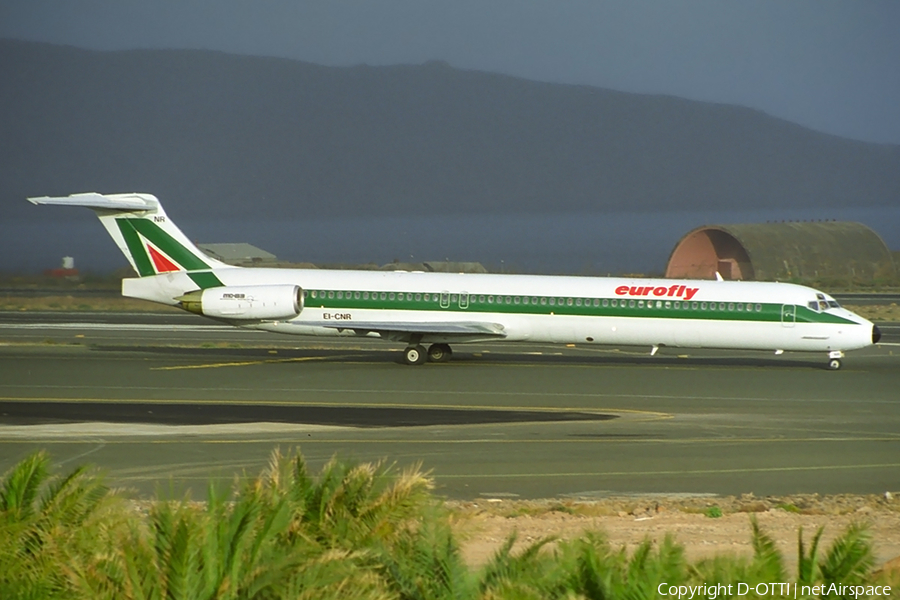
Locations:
(787, 590)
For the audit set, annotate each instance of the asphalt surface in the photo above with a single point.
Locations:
(172, 401)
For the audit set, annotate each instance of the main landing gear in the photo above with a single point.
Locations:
(416, 354)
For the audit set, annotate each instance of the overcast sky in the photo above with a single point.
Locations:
(833, 65)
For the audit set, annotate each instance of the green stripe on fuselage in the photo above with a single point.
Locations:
(670, 309)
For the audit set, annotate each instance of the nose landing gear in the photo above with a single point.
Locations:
(834, 360)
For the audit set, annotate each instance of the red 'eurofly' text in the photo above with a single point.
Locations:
(673, 291)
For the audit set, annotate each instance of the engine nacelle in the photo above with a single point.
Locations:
(257, 302)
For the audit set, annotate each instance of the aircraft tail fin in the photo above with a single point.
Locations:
(151, 242)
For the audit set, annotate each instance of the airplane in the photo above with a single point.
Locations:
(438, 309)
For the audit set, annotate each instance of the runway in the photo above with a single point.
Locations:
(170, 401)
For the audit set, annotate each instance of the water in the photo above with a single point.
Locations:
(577, 243)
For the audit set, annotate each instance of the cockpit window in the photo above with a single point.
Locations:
(813, 305)
(823, 302)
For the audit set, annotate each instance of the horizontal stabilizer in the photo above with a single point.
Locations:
(125, 202)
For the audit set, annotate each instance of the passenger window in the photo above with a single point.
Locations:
(668, 304)
(481, 299)
(640, 304)
(740, 307)
(391, 296)
(314, 294)
(331, 295)
(569, 302)
(703, 306)
(605, 303)
(543, 301)
(631, 304)
(615, 303)
(659, 304)
(712, 306)
(418, 297)
(578, 302)
(517, 299)
(490, 299)
(731, 306)
(427, 298)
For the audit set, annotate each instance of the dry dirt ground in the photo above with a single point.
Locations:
(484, 525)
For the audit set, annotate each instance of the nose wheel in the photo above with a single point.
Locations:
(834, 360)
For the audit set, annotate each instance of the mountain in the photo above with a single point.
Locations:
(207, 131)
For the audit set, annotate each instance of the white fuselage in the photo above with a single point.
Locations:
(559, 309)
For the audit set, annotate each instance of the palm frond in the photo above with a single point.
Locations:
(21, 485)
(850, 557)
(767, 559)
(807, 565)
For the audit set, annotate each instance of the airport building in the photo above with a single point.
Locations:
(783, 251)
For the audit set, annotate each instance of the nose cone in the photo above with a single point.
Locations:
(876, 334)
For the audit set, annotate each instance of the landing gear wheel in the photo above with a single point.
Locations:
(834, 364)
(415, 355)
(439, 353)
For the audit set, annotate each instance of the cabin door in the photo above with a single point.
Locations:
(788, 315)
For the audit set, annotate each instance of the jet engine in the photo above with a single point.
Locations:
(257, 302)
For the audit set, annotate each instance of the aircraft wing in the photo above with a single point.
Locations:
(461, 328)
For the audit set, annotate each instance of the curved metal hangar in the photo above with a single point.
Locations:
(797, 250)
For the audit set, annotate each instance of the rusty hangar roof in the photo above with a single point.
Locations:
(790, 250)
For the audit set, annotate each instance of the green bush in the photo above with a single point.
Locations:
(713, 512)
